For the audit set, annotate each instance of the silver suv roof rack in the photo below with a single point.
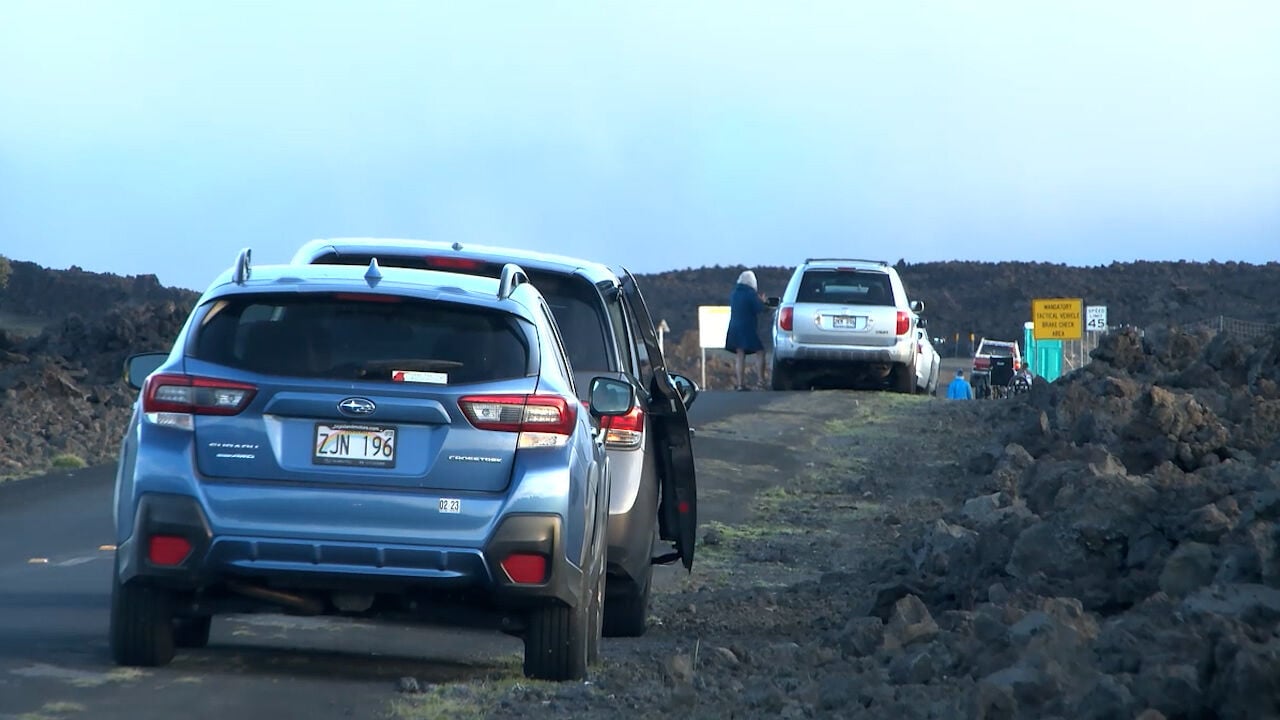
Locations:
(242, 269)
(512, 276)
(877, 262)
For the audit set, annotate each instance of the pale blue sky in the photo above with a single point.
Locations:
(160, 137)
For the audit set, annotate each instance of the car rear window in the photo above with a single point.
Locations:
(846, 287)
(578, 311)
(378, 338)
(997, 351)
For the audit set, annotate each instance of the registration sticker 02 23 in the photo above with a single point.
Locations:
(450, 505)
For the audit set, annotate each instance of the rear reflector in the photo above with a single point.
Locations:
(195, 395)
(168, 549)
(904, 322)
(624, 432)
(541, 420)
(786, 318)
(525, 568)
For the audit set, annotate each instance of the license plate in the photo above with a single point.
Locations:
(854, 322)
(360, 445)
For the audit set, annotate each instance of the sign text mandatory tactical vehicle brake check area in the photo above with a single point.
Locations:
(1057, 318)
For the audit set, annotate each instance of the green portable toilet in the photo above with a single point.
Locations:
(1044, 356)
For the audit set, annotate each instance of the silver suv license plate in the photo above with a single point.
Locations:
(847, 322)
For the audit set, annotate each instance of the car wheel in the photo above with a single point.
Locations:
(141, 630)
(904, 380)
(192, 632)
(626, 613)
(557, 642)
(561, 641)
(779, 379)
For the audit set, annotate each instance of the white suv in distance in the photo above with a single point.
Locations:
(843, 322)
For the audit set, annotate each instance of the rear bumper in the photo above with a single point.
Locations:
(633, 512)
(786, 349)
(322, 565)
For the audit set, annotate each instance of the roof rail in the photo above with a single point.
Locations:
(878, 262)
(241, 270)
(512, 275)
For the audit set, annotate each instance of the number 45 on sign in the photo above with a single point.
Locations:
(1095, 318)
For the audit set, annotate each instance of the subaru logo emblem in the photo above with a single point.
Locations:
(357, 406)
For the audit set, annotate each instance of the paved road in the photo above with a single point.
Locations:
(55, 569)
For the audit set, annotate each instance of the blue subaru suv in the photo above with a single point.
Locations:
(385, 443)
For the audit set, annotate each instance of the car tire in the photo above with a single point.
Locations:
(557, 642)
(562, 641)
(904, 378)
(779, 379)
(141, 626)
(626, 613)
(192, 632)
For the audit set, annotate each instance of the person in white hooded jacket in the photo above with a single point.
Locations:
(743, 338)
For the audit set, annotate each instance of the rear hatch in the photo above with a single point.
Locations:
(575, 303)
(358, 390)
(845, 306)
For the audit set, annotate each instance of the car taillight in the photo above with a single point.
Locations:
(786, 318)
(624, 431)
(173, 399)
(541, 420)
(904, 322)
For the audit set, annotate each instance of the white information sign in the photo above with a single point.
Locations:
(713, 326)
(1095, 318)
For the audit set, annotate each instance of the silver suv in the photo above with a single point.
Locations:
(845, 321)
(607, 332)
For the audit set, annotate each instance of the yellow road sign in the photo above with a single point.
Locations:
(1057, 318)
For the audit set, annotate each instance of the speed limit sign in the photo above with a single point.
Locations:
(1095, 318)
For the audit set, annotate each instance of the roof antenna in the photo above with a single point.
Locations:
(374, 273)
(241, 271)
(457, 246)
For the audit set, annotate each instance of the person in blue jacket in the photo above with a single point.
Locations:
(959, 389)
(745, 305)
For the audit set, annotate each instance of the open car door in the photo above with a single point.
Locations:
(678, 510)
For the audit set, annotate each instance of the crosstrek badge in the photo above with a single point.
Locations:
(417, 376)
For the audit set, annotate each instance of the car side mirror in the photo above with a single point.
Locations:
(138, 367)
(610, 397)
(687, 388)
(917, 306)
